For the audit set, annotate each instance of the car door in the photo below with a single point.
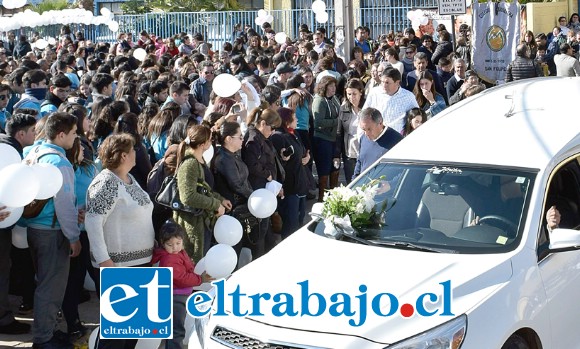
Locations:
(560, 271)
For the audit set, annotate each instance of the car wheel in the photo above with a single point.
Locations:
(515, 342)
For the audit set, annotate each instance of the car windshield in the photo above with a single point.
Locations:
(446, 208)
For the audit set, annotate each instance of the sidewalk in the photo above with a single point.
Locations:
(89, 314)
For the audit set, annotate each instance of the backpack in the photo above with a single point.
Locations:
(155, 178)
(34, 208)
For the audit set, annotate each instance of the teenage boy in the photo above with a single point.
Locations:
(53, 235)
(179, 93)
(57, 93)
(35, 88)
(20, 133)
(158, 92)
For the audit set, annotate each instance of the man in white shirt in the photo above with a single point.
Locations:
(319, 44)
(391, 100)
(566, 62)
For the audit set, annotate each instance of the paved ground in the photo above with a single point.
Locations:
(89, 312)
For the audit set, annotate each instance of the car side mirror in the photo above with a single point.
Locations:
(562, 240)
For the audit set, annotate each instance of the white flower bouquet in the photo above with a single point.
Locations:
(357, 205)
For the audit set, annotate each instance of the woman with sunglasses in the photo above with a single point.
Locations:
(260, 156)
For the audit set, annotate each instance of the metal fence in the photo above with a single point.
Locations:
(217, 27)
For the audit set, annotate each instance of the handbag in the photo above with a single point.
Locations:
(249, 221)
(168, 195)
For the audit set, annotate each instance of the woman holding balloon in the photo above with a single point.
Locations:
(261, 159)
(231, 173)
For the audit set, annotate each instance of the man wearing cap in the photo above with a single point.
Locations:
(202, 87)
(471, 81)
(284, 71)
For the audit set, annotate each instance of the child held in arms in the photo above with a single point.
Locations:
(171, 254)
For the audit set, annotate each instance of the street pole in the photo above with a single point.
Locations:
(343, 28)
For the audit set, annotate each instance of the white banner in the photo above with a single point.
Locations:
(496, 34)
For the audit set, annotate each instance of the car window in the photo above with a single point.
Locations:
(563, 195)
(463, 208)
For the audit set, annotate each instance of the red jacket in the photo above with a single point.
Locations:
(183, 276)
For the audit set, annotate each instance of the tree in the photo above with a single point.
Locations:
(144, 6)
(50, 5)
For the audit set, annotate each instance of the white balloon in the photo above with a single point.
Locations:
(9, 4)
(87, 20)
(259, 21)
(190, 333)
(15, 214)
(19, 237)
(269, 19)
(208, 154)
(41, 44)
(51, 179)
(199, 267)
(262, 203)
(51, 41)
(105, 12)
(140, 54)
(9, 155)
(411, 15)
(262, 13)
(148, 344)
(114, 26)
(424, 20)
(318, 6)
(93, 338)
(228, 230)
(322, 17)
(226, 85)
(18, 185)
(280, 37)
(220, 261)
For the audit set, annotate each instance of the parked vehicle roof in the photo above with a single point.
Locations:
(521, 124)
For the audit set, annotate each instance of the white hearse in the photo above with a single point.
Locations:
(463, 259)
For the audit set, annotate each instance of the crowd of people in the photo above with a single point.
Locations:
(116, 127)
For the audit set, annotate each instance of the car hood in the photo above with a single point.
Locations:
(332, 266)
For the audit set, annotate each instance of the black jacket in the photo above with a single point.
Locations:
(522, 68)
(11, 141)
(21, 49)
(260, 156)
(231, 176)
(443, 49)
(296, 180)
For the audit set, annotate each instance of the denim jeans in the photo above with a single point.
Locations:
(179, 314)
(50, 251)
(292, 209)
